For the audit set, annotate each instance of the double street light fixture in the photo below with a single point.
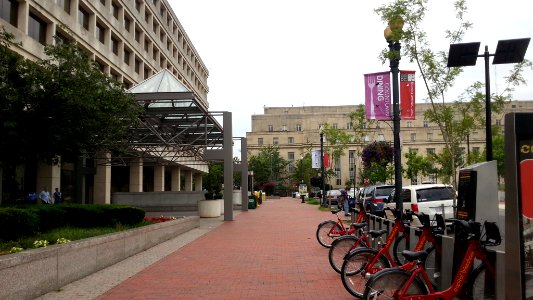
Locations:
(466, 54)
(391, 35)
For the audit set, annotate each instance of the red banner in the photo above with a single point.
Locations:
(407, 95)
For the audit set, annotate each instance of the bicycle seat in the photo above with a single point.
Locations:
(377, 233)
(423, 218)
(359, 225)
(336, 211)
(415, 255)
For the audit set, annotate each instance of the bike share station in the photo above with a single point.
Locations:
(518, 206)
(478, 201)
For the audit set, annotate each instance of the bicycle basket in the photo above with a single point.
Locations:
(492, 235)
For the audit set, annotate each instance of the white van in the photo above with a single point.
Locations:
(427, 198)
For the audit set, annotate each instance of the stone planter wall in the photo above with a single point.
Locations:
(29, 274)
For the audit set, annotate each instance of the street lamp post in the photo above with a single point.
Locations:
(394, 59)
(466, 54)
(302, 175)
(322, 165)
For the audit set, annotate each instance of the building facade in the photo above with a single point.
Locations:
(130, 40)
(296, 129)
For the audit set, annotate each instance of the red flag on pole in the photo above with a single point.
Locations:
(326, 160)
(407, 95)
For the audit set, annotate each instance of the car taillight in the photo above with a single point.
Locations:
(374, 200)
(414, 207)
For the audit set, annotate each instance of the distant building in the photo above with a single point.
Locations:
(294, 129)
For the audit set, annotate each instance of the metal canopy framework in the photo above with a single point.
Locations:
(176, 127)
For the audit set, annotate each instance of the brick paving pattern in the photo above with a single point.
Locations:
(267, 253)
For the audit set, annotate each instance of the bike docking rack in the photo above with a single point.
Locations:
(445, 262)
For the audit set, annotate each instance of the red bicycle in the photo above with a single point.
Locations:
(414, 283)
(328, 231)
(360, 263)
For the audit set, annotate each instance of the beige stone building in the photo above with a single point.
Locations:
(131, 40)
(294, 129)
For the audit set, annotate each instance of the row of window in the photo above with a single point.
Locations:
(380, 137)
(349, 125)
(431, 151)
(37, 29)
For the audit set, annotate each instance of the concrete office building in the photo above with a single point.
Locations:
(131, 40)
(294, 129)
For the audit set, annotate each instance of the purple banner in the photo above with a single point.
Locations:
(378, 96)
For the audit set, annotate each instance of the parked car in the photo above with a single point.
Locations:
(375, 196)
(332, 197)
(427, 198)
(315, 192)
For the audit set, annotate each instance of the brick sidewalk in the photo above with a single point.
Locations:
(267, 253)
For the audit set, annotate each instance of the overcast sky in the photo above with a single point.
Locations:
(308, 52)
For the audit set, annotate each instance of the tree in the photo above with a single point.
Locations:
(498, 147)
(213, 180)
(268, 165)
(377, 159)
(359, 123)
(336, 143)
(81, 108)
(63, 105)
(16, 142)
(415, 165)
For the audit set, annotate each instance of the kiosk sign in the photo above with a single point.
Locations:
(526, 176)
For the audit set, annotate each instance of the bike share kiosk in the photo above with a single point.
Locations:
(477, 193)
(519, 206)
(477, 200)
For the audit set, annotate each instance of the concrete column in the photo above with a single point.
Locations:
(228, 166)
(198, 182)
(175, 182)
(159, 178)
(102, 179)
(48, 176)
(50, 33)
(22, 16)
(188, 181)
(136, 175)
(74, 10)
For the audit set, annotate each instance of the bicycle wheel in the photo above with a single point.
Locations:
(323, 233)
(400, 244)
(385, 283)
(339, 248)
(354, 273)
(481, 284)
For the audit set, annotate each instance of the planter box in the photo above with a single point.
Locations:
(29, 274)
(210, 208)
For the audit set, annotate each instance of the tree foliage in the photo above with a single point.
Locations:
(268, 165)
(415, 165)
(63, 105)
(377, 160)
(213, 180)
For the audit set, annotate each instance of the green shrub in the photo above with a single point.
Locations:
(15, 223)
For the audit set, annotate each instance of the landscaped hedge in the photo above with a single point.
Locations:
(24, 220)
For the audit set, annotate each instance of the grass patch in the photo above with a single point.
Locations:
(313, 201)
(69, 233)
